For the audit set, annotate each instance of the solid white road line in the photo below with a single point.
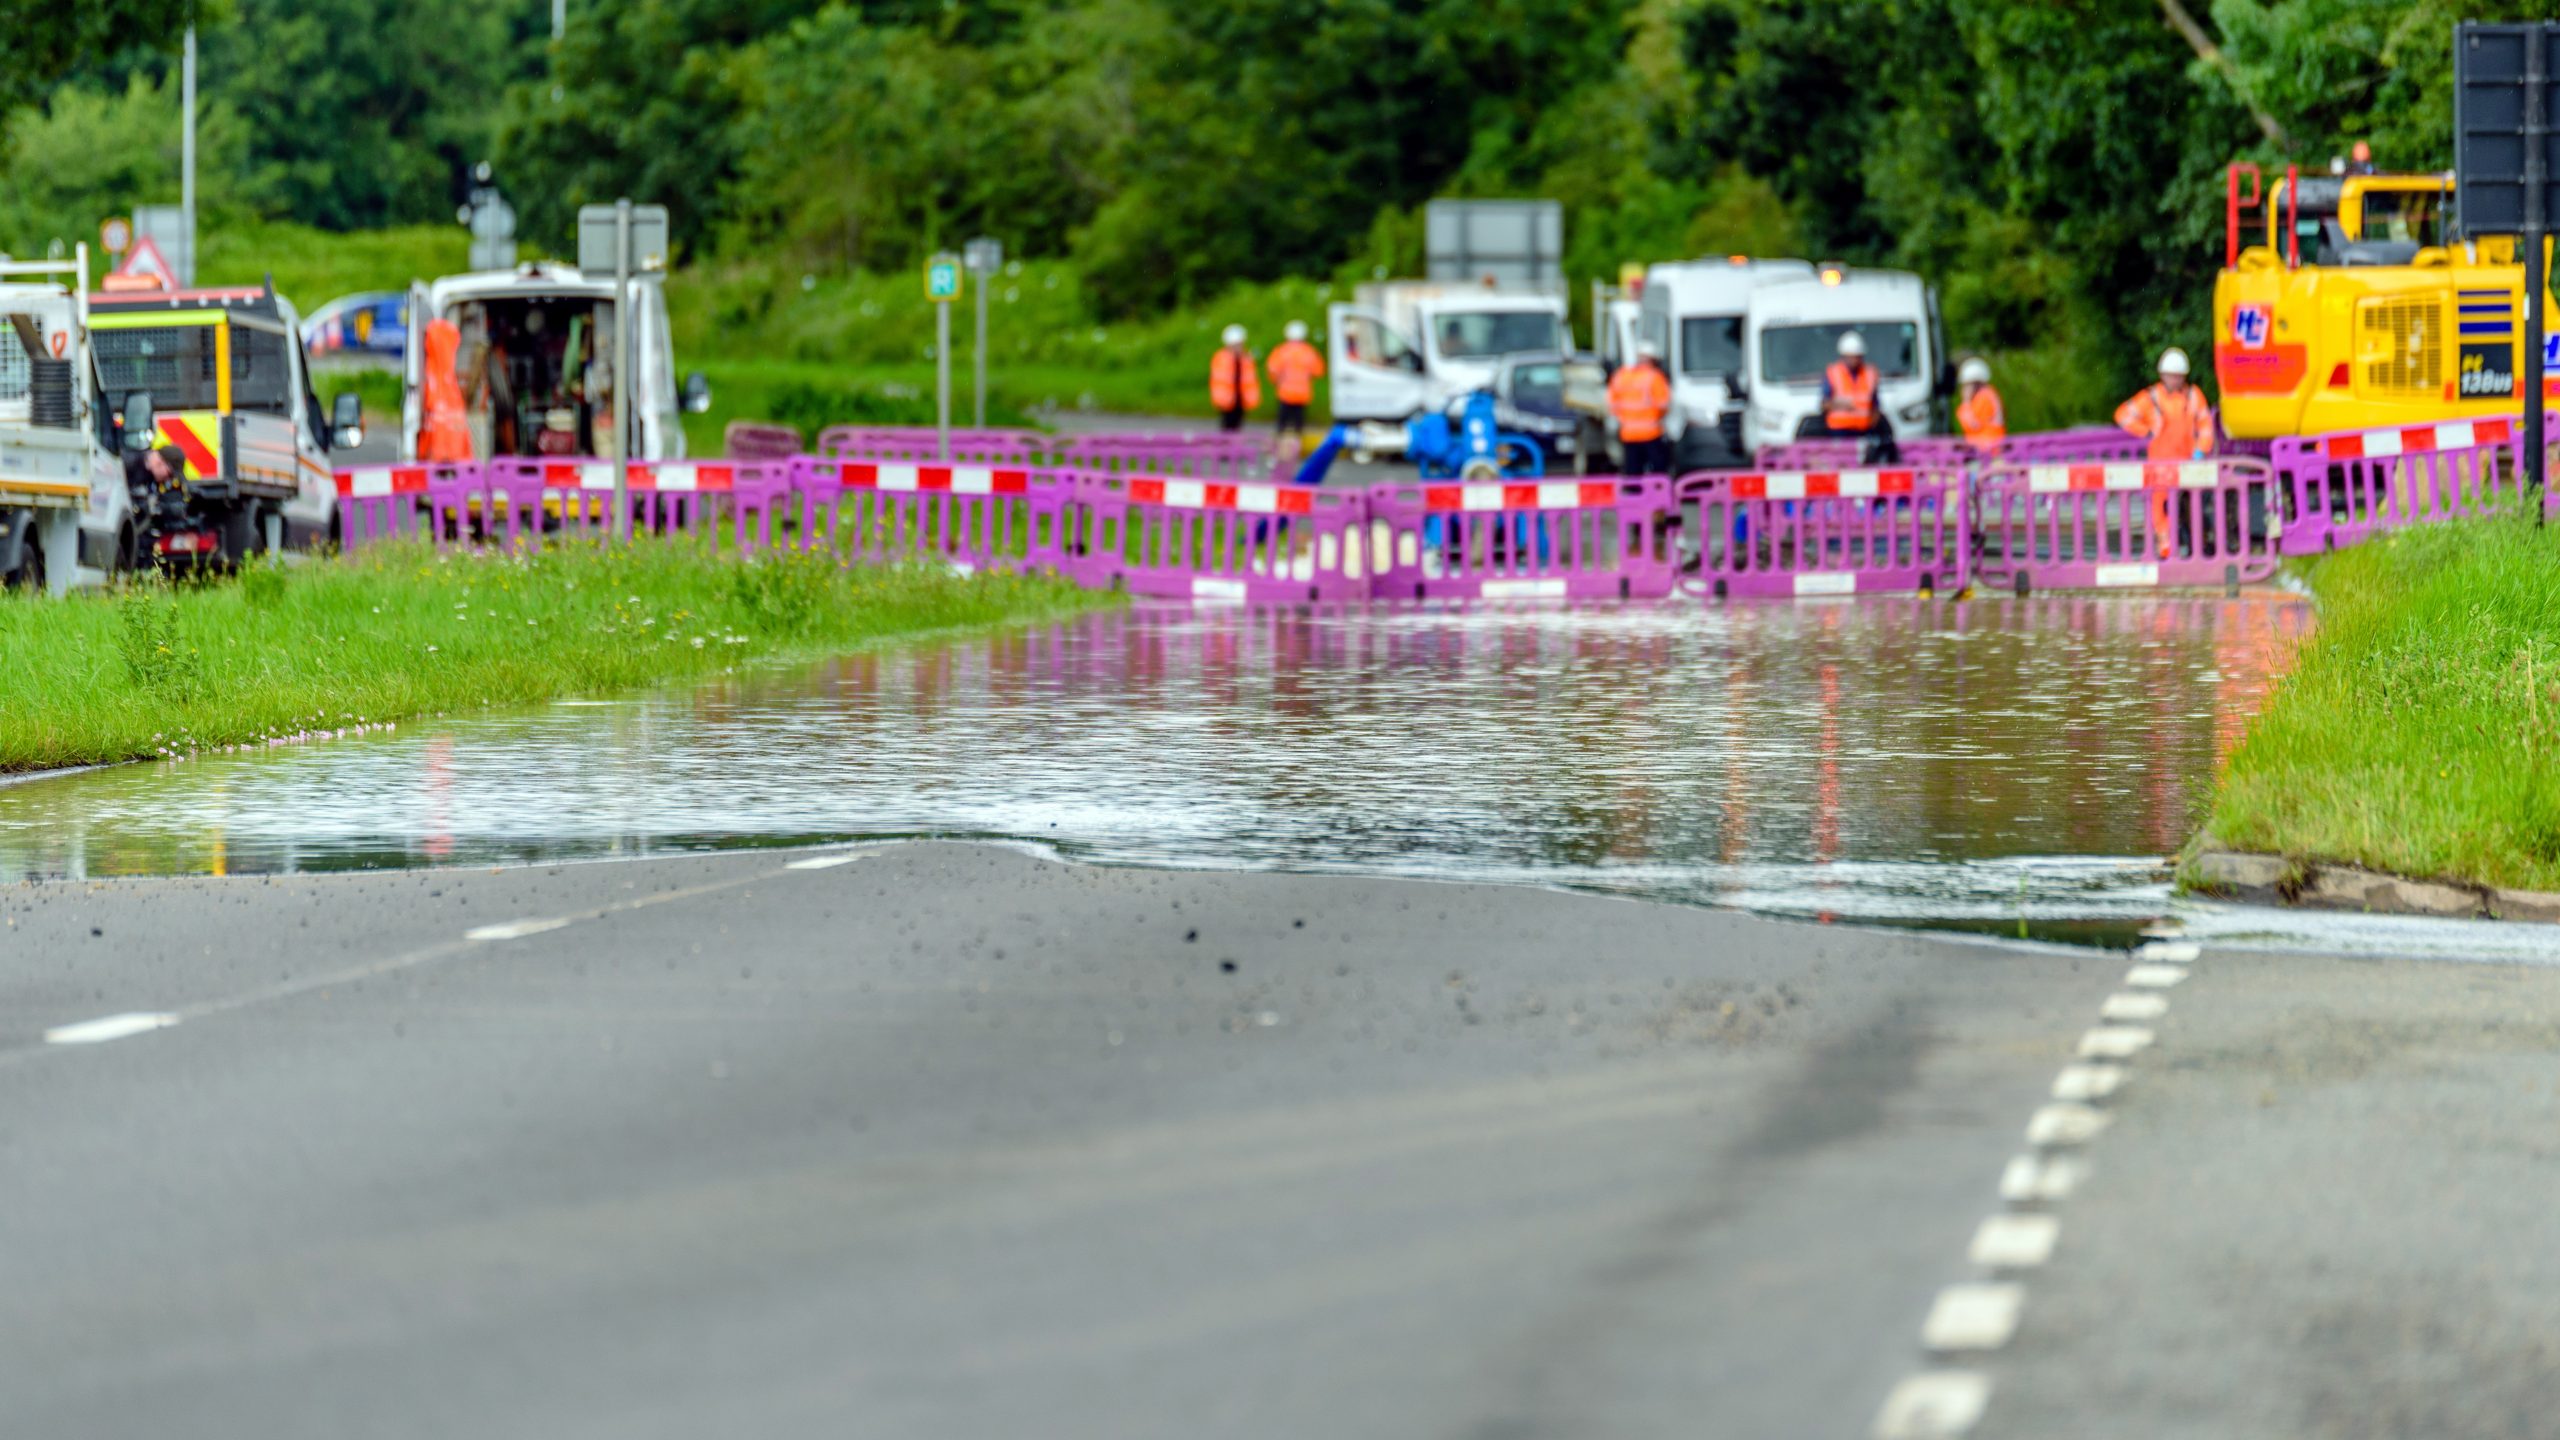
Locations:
(2155, 977)
(2062, 1123)
(1934, 1405)
(2015, 1242)
(110, 1027)
(2113, 1042)
(2134, 1006)
(2041, 1179)
(826, 862)
(1973, 1316)
(2088, 1082)
(514, 929)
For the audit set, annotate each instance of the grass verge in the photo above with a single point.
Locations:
(401, 631)
(2420, 731)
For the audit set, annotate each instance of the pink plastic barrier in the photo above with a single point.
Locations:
(1218, 540)
(759, 440)
(2081, 443)
(1847, 532)
(922, 443)
(1919, 452)
(2203, 522)
(526, 502)
(387, 502)
(2339, 489)
(1205, 455)
(973, 516)
(1593, 538)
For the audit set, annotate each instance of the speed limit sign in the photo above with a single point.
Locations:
(116, 234)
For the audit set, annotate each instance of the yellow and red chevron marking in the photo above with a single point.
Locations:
(200, 436)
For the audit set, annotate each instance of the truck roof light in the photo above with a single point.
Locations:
(1737, 259)
(1830, 275)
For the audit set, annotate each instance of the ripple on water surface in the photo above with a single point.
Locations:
(1985, 763)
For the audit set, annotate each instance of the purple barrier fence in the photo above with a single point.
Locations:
(2085, 443)
(2339, 489)
(973, 516)
(759, 440)
(1218, 540)
(2202, 522)
(1595, 538)
(1848, 532)
(1919, 452)
(387, 502)
(1213, 455)
(920, 443)
(530, 502)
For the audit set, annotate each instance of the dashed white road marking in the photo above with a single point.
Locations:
(2114, 1042)
(1975, 1316)
(827, 862)
(2155, 977)
(2015, 1242)
(2041, 1179)
(2063, 1123)
(514, 929)
(2134, 1006)
(2088, 1082)
(1934, 1405)
(110, 1027)
(2168, 952)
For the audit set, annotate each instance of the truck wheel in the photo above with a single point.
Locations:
(242, 535)
(28, 575)
(128, 557)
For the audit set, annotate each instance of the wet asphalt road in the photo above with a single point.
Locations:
(952, 1141)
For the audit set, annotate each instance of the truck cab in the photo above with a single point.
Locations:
(1792, 334)
(1411, 347)
(65, 516)
(1695, 312)
(535, 364)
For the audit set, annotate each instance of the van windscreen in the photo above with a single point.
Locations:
(1711, 345)
(1798, 354)
(1469, 335)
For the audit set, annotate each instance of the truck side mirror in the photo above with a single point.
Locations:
(346, 420)
(141, 430)
(697, 393)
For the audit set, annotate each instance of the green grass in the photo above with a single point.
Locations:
(401, 631)
(2420, 731)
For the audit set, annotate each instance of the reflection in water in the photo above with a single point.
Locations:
(1988, 760)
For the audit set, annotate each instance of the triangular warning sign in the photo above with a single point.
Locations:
(145, 262)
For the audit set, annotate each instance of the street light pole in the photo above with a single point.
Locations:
(187, 157)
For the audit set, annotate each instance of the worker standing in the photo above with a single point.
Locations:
(1640, 395)
(1235, 383)
(1295, 368)
(1978, 413)
(1849, 403)
(2176, 424)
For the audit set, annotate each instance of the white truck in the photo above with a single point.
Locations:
(1695, 313)
(536, 352)
(1791, 334)
(65, 515)
(1409, 347)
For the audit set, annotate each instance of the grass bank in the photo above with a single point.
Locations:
(401, 631)
(2420, 731)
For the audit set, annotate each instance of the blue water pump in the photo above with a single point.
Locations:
(1475, 448)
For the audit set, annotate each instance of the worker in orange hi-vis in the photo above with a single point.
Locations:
(1235, 382)
(1978, 414)
(1640, 395)
(2177, 425)
(1295, 367)
(444, 431)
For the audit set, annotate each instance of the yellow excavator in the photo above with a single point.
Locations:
(2362, 306)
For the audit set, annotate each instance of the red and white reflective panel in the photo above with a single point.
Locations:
(2139, 475)
(1220, 495)
(1537, 495)
(563, 475)
(2417, 439)
(679, 475)
(1822, 485)
(953, 479)
(371, 484)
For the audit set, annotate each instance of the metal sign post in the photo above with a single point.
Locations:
(985, 256)
(628, 240)
(942, 286)
(2502, 138)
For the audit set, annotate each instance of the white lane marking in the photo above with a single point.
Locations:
(2168, 952)
(513, 929)
(110, 1027)
(1934, 1405)
(2164, 929)
(2155, 977)
(1973, 1316)
(827, 862)
(2088, 1082)
(2063, 1123)
(2113, 1042)
(2131, 1006)
(2032, 1179)
(2015, 1242)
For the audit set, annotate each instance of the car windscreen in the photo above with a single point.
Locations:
(1711, 345)
(1798, 354)
(1472, 334)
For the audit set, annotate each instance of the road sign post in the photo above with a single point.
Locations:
(2502, 138)
(942, 286)
(985, 256)
(627, 239)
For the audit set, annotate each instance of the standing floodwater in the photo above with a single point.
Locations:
(1985, 761)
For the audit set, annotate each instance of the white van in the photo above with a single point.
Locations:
(1695, 312)
(546, 332)
(1793, 334)
(1409, 347)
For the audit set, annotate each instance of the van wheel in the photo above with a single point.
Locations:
(29, 576)
(128, 556)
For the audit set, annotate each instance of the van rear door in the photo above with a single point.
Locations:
(413, 370)
(1376, 371)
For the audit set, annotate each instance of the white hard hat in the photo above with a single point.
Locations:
(1647, 350)
(1294, 330)
(2173, 361)
(1234, 335)
(1976, 371)
(1852, 344)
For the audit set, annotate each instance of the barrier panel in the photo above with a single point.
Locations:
(1918, 452)
(529, 502)
(1847, 532)
(388, 502)
(2201, 522)
(2338, 489)
(759, 440)
(1260, 543)
(2083, 443)
(1606, 537)
(1213, 455)
(972, 516)
(921, 443)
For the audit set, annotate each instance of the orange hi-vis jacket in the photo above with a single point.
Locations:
(1232, 376)
(1857, 390)
(2179, 427)
(1984, 425)
(1639, 395)
(1294, 368)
